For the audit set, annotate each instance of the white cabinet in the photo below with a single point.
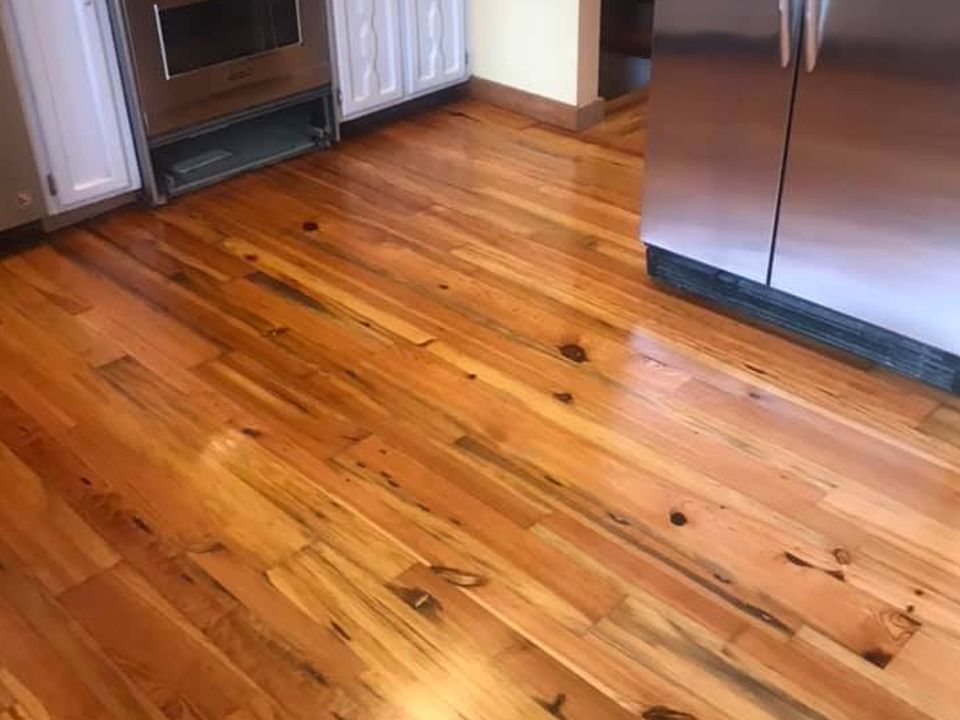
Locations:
(369, 54)
(75, 99)
(389, 51)
(435, 43)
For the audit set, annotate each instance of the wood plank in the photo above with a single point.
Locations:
(395, 639)
(927, 668)
(66, 328)
(50, 665)
(414, 483)
(157, 329)
(943, 423)
(167, 247)
(543, 678)
(60, 548)
(169, 660)
(195, 312)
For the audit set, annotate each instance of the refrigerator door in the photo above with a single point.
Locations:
(870, 221)
(723, 79)
(21, 200)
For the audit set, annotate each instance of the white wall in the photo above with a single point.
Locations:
(533, 45)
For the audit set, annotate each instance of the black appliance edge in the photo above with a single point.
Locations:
(899, 353)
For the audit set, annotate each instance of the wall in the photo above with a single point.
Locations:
(536, 46)
(588, 71)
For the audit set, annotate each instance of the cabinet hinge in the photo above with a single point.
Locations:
(52, 184)
(339, 97)
(466, 58)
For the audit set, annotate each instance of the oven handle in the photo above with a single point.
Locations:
(173, 4)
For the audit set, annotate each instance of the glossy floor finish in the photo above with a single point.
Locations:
(403, 431)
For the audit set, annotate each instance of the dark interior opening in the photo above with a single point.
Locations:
(207, 33)
(626, 39)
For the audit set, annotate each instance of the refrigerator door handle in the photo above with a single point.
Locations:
(812, 34)
(786, 32)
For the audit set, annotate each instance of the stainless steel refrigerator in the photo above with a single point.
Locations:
(813, 146)
(21, 200)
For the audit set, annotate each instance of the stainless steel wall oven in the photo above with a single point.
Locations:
(197, 60)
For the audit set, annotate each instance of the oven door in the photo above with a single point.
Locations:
(197, 60)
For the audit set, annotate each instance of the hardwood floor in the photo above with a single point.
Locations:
(402, 430)
(624, 125)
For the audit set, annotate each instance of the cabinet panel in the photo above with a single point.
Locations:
(436, 43)
(21, 200)
(871, 202)
(369, 54)
(71, 65)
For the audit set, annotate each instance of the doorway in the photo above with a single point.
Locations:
(626, 39)
(625, 48)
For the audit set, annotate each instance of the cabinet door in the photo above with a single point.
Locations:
(436, 53)
(369, 55)
(723, 78)
(71, 65)
(870, 218)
